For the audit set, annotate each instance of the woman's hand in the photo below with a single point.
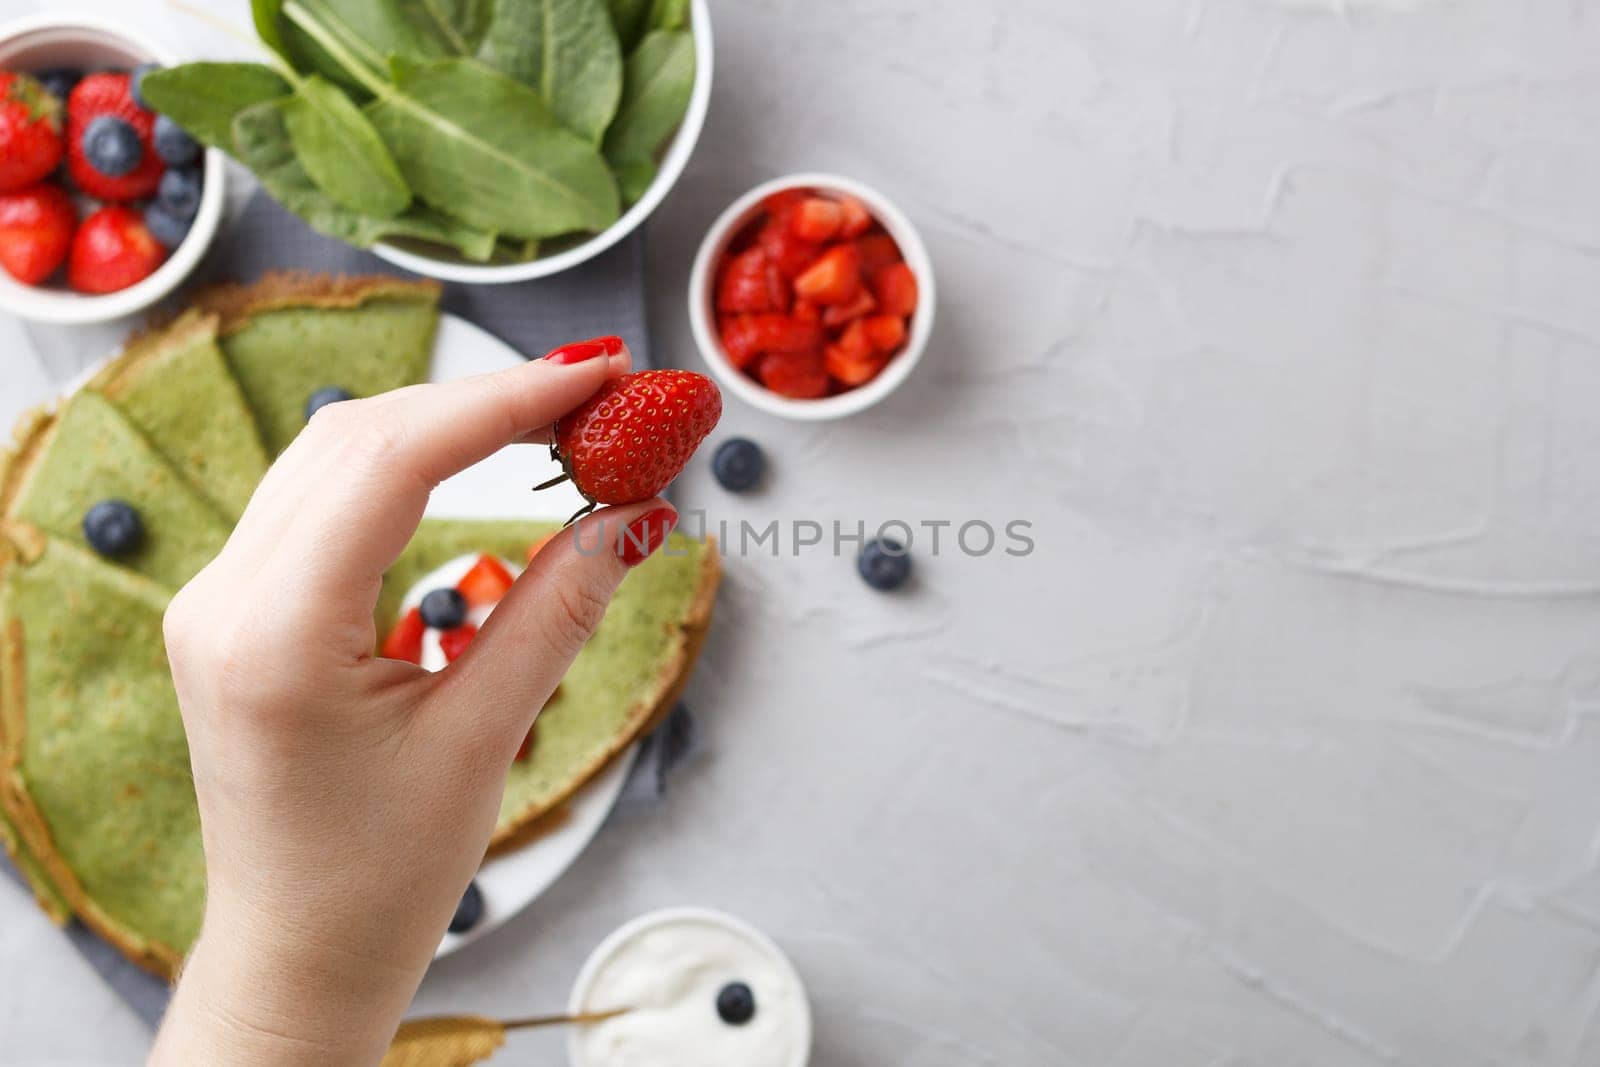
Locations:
(346, 801)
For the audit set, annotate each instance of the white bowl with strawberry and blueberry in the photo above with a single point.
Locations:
(105, 206)
(812, 297)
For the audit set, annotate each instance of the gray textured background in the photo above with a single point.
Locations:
(1279, 321)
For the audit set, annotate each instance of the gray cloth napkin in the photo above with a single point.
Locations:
(603, 296)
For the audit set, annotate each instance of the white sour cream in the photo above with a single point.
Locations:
(446, 577)
(670, 972)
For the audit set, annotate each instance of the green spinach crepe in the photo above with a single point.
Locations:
(90, 452)
(290, 335)
(175, 386)
(96, 768)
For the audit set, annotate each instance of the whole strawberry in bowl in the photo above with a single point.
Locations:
(812, 297)
(105, 206)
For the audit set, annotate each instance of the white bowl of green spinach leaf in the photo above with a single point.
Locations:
(478, 141)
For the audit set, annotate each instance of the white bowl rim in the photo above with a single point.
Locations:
(856, 400)
(671, 169)
(64, 307)
(661, 917)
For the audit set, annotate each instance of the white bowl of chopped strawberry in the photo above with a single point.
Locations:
(105, 206)
(812, 297)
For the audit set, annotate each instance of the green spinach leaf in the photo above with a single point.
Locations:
(458, 26)
(341, 151)
(261, 142)
(655, 95)
(668, 15)
(633, 178)
(204, 98)
(631, 19)
(298, 49)
(567, 50)
(485, 149)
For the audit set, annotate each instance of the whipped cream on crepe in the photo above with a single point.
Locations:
(670, 975)
(446, 577)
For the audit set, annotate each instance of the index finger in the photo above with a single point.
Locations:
(353, 496)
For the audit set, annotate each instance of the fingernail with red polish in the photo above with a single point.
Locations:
(641, 537)
(578, 352)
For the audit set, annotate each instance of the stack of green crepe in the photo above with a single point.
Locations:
(96, 797)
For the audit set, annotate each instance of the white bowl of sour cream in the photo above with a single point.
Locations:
(670, 967)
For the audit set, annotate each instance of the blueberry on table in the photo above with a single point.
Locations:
(173, 143)
(179, 191)
(136, 83)
(884, 564)
(444, 609)
(469, 912)
(328, 394)
(113, 529)
(59, 81)
(738, 464)
(112, 146)
(166, 227)
(736, 1004)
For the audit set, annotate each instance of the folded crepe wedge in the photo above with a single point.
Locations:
(289, 335)
(623, 683)
(65, 463)
(175, 385)
(94, 775)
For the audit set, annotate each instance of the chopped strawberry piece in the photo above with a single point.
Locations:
(454, 642)
(886, 332)
(896, 287)
(783, 202)
(816, 219)
(854, 341)
(405, 640)
(833, 279)
(779, 293)
(798, 375)
(840, 314)
(485, 583)
(744, 285)
(746, 336)
(878, 251)
(789, 254)
(784, 333)
(854, 218)
(807, 312)
(526, 748)
(740, 339)
(852, 368)
(533, 549)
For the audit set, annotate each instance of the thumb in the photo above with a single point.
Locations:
(539, 627)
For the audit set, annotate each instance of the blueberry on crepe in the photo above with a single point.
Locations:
(328, 394)
(113, 529)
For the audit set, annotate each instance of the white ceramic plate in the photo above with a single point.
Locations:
(500, 488)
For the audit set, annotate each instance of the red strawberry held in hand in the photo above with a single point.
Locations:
(35, 232)
(30, 132)
(633, 437)
(112, 251)
(110, 96)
